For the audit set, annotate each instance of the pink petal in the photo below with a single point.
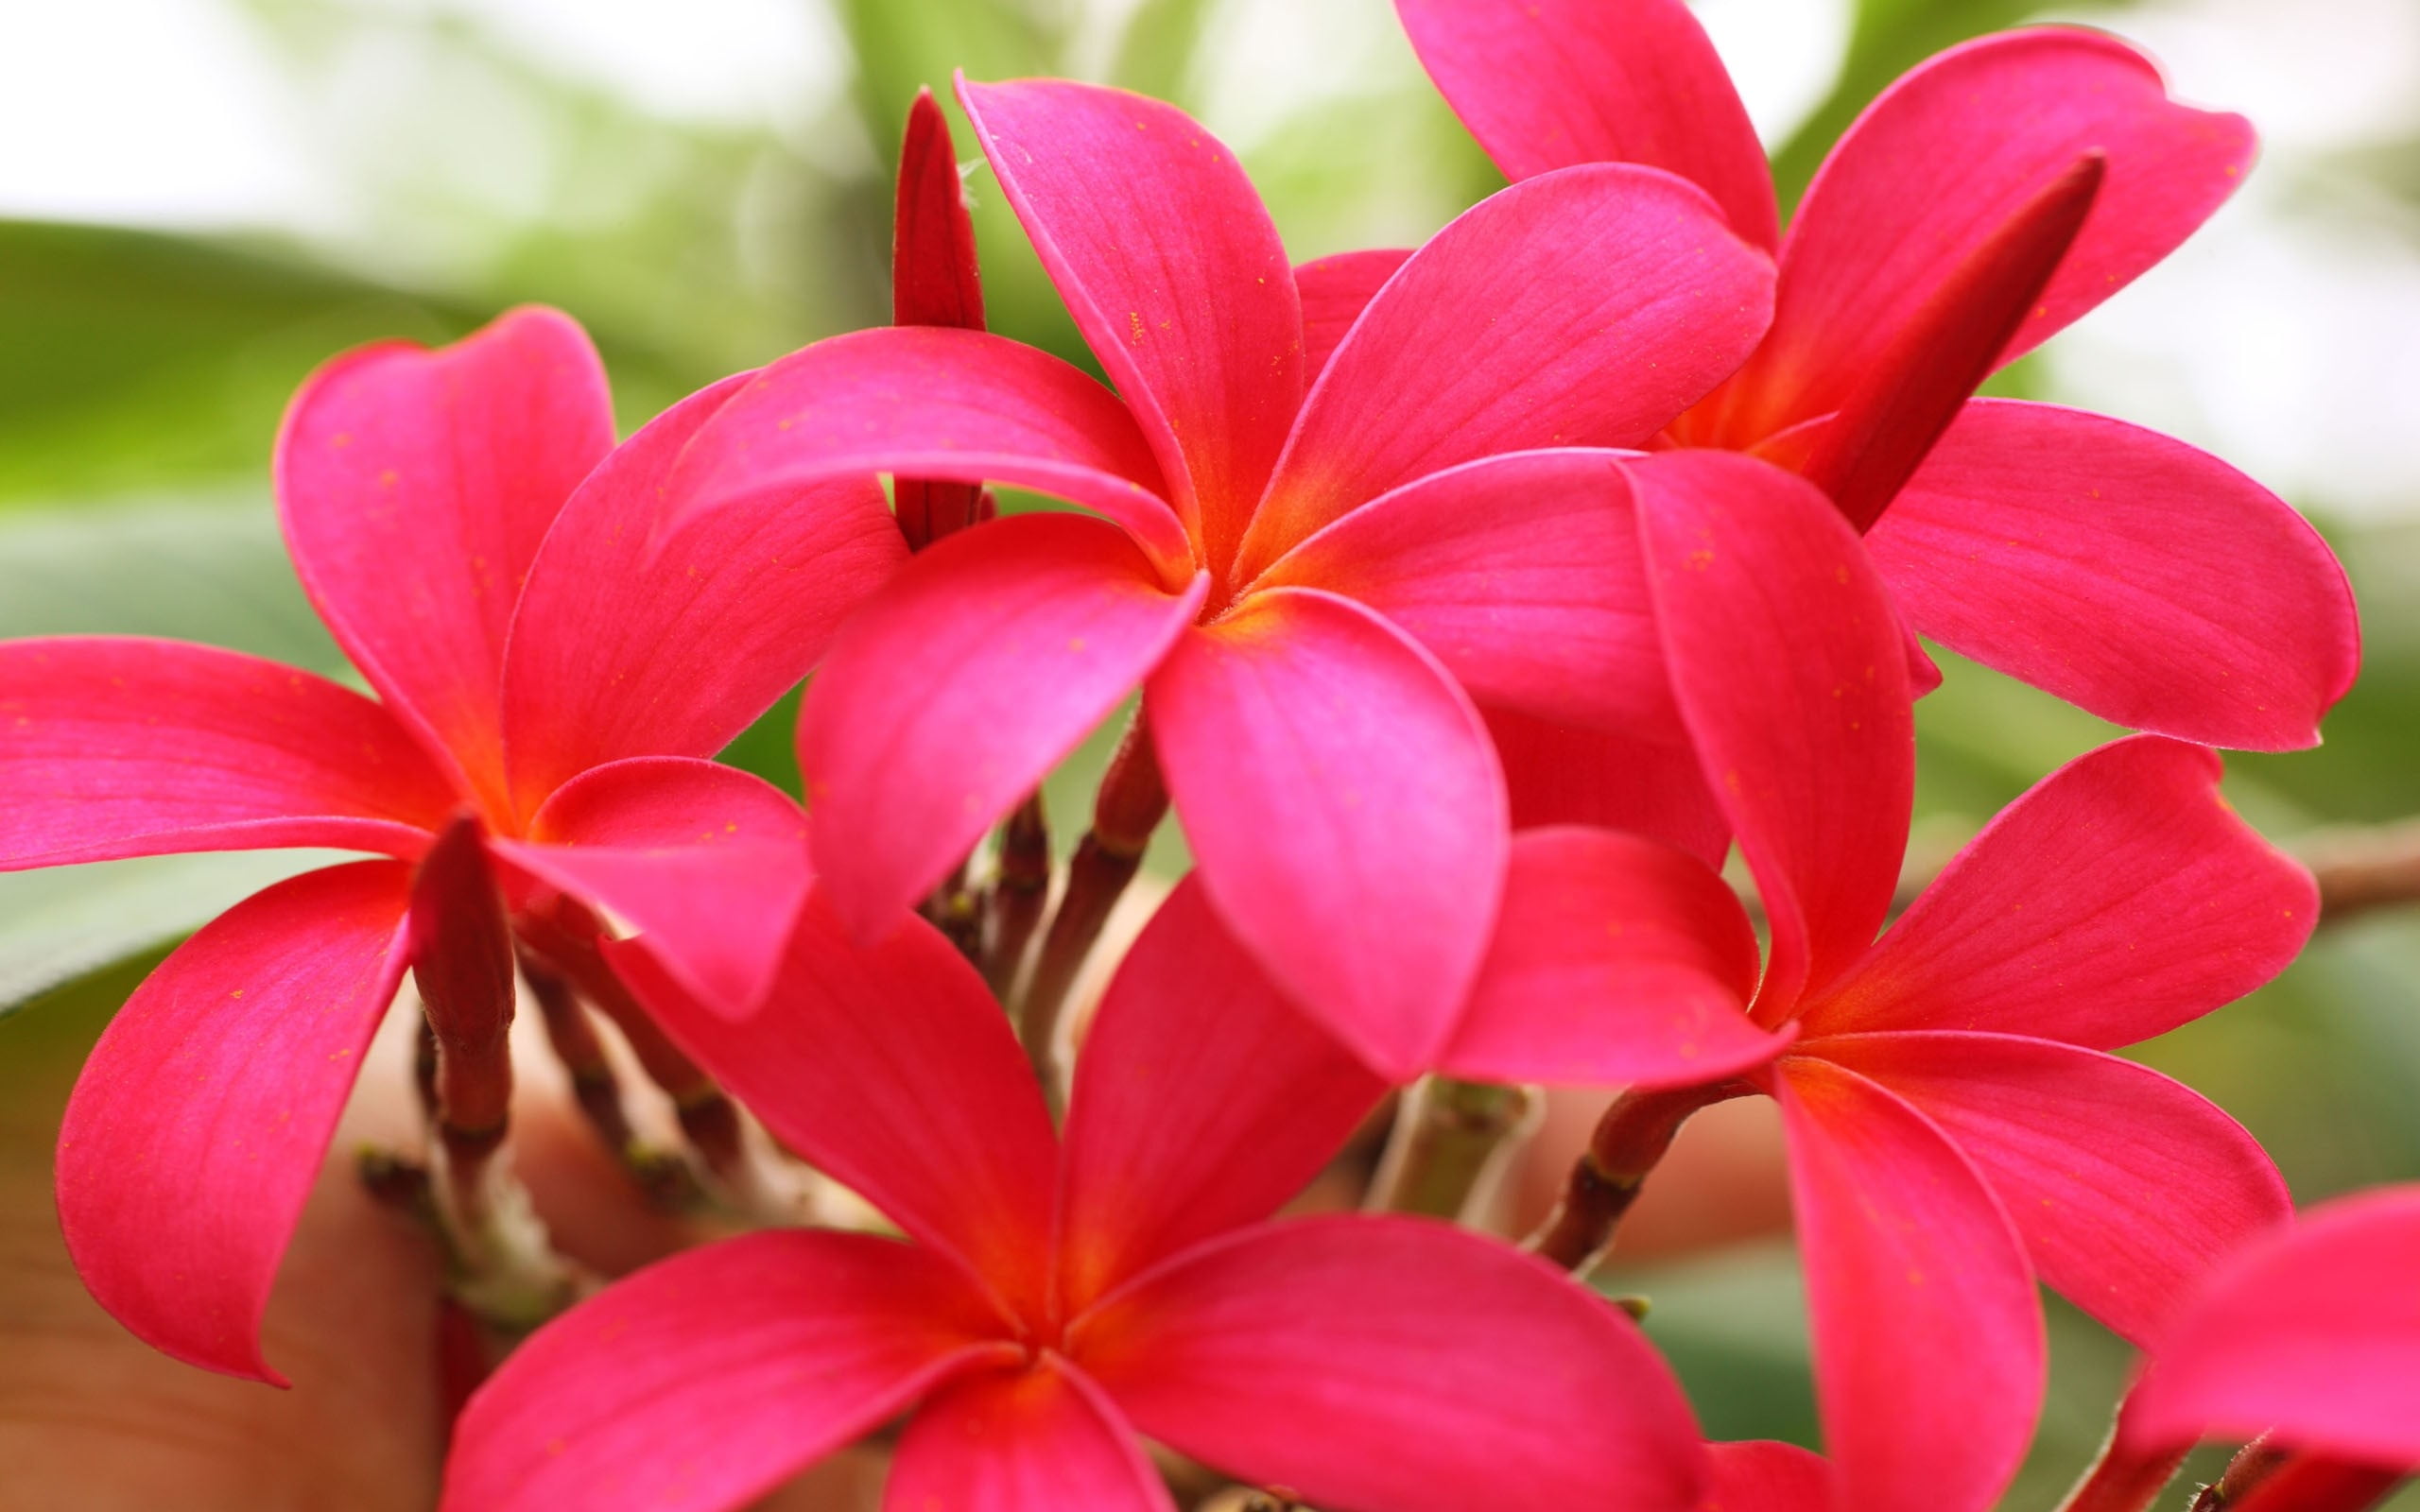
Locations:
(949, 695)
(1616, 960)
(928, 401)
(934, 281)
(1345, 809)
(1929, 1348)
(1557, 774)
(1792, 671)
(1764, 1476)
(1583, 308)
(1547, 83)
(2152, 583)
(708, 863)
(2315, 1333)
(123, 747)
(2119, 899)
(1335, 290)
(1393, 1362)
(934, 276)
(198, 1124)
(1041, 1440)
(1169, 263)
(1890, 416)
(1947, 154)
(703, 1381)
(1203, 1100)
(415, 486)
(629, 643)
(2127, 1186)
(1521, 573)
(892, 1068)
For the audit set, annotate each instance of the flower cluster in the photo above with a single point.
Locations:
(1481, 598)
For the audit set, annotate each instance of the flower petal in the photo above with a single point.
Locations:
(1583, 308)
(934, 281)
(1547, 83)
(892, 1068)
(929, 401)
(1792, 670)
(1203, 1101)
(116, 747)
(2120, 897)
(1335, 290)
(1616, 960)
(708, 863)
(1345, 809)
(2148, 582)
(199, 1123)
(1558, 774)
(1309, 1354)
(1762, 1476)
(703, 1383)
(1520, 573)
(1174, 272)
(414, 486)
(2128, 1187)
(1943, 159)
(1890, 419)
(2314, 1334)
(628, 644)
(1042, 1440)
(949, 695)
(1929, 1349)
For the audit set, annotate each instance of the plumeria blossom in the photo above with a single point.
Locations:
(1059, 1299)
(1985, 201)
(1303, 578)
(465, 526)
(2310, 1336)
(1956, 1124)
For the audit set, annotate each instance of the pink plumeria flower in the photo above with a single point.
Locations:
(2311, 1337)
(1956, 1124)
(1059, 1298)
(1982, 204)
(1303, 583)
(470, 534)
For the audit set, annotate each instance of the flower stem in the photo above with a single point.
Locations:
(565, 937)
(663, 1174)
(1013, 906)
(2123, 1479)
(1629, 1138)
(1451, 1144)
(1131, 804)
(2266, 1478)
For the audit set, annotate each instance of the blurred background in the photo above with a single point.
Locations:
(200, 200)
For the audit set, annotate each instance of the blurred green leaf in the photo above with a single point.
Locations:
(206, 566)
(58, 925)
(135, 359)
(1160, 46)
(1734, 1326)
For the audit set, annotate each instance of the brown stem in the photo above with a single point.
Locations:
(1629, 1140)
(662, 1174)
(1014, 905)
(566, 937)
(1451, 1143)
(2365, 868)
(2123, 1479)
(1132, 800)
(955, 909)
(462, 948)
(2265, 1478)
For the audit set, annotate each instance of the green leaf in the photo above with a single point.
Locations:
(130, 359)
(207, 566)
(58, 925)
